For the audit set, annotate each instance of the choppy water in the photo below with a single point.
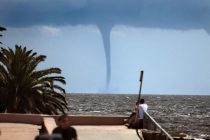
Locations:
(175, 113)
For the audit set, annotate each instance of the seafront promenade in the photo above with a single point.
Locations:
(15, 131)
(111, 132)
(26, 127)
(18, 131)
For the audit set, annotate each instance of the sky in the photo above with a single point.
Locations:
(102, 45)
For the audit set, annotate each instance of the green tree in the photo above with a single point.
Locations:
(23, 89)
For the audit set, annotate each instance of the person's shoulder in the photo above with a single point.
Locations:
(73, 131)
(57, 130)
(145, 105)
(71, 128)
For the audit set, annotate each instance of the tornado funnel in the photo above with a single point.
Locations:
(105, 33)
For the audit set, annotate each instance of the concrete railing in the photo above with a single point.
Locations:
(21, 118)
(97, 120)
(74, 119)
(151, 124)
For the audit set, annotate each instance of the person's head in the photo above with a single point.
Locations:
(63, 121)
(142, 101)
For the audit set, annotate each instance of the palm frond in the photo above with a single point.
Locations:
(24, 89)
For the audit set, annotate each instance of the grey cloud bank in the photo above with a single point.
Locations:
(179, 14)
(167, 14)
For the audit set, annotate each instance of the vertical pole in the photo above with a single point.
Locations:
(140, 80)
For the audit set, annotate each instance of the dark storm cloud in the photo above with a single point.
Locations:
(178, 14)
(167, 14)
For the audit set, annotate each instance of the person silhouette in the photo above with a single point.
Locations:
(142, 108)
(67, 132)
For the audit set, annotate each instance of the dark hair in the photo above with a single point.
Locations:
(141, 101)
(62, 117)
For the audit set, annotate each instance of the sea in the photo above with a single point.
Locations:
(189, 114)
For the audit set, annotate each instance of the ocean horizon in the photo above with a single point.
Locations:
(116, 93)
(188, 114)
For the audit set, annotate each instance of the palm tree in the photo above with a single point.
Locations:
(2, 29)
(23, 89)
